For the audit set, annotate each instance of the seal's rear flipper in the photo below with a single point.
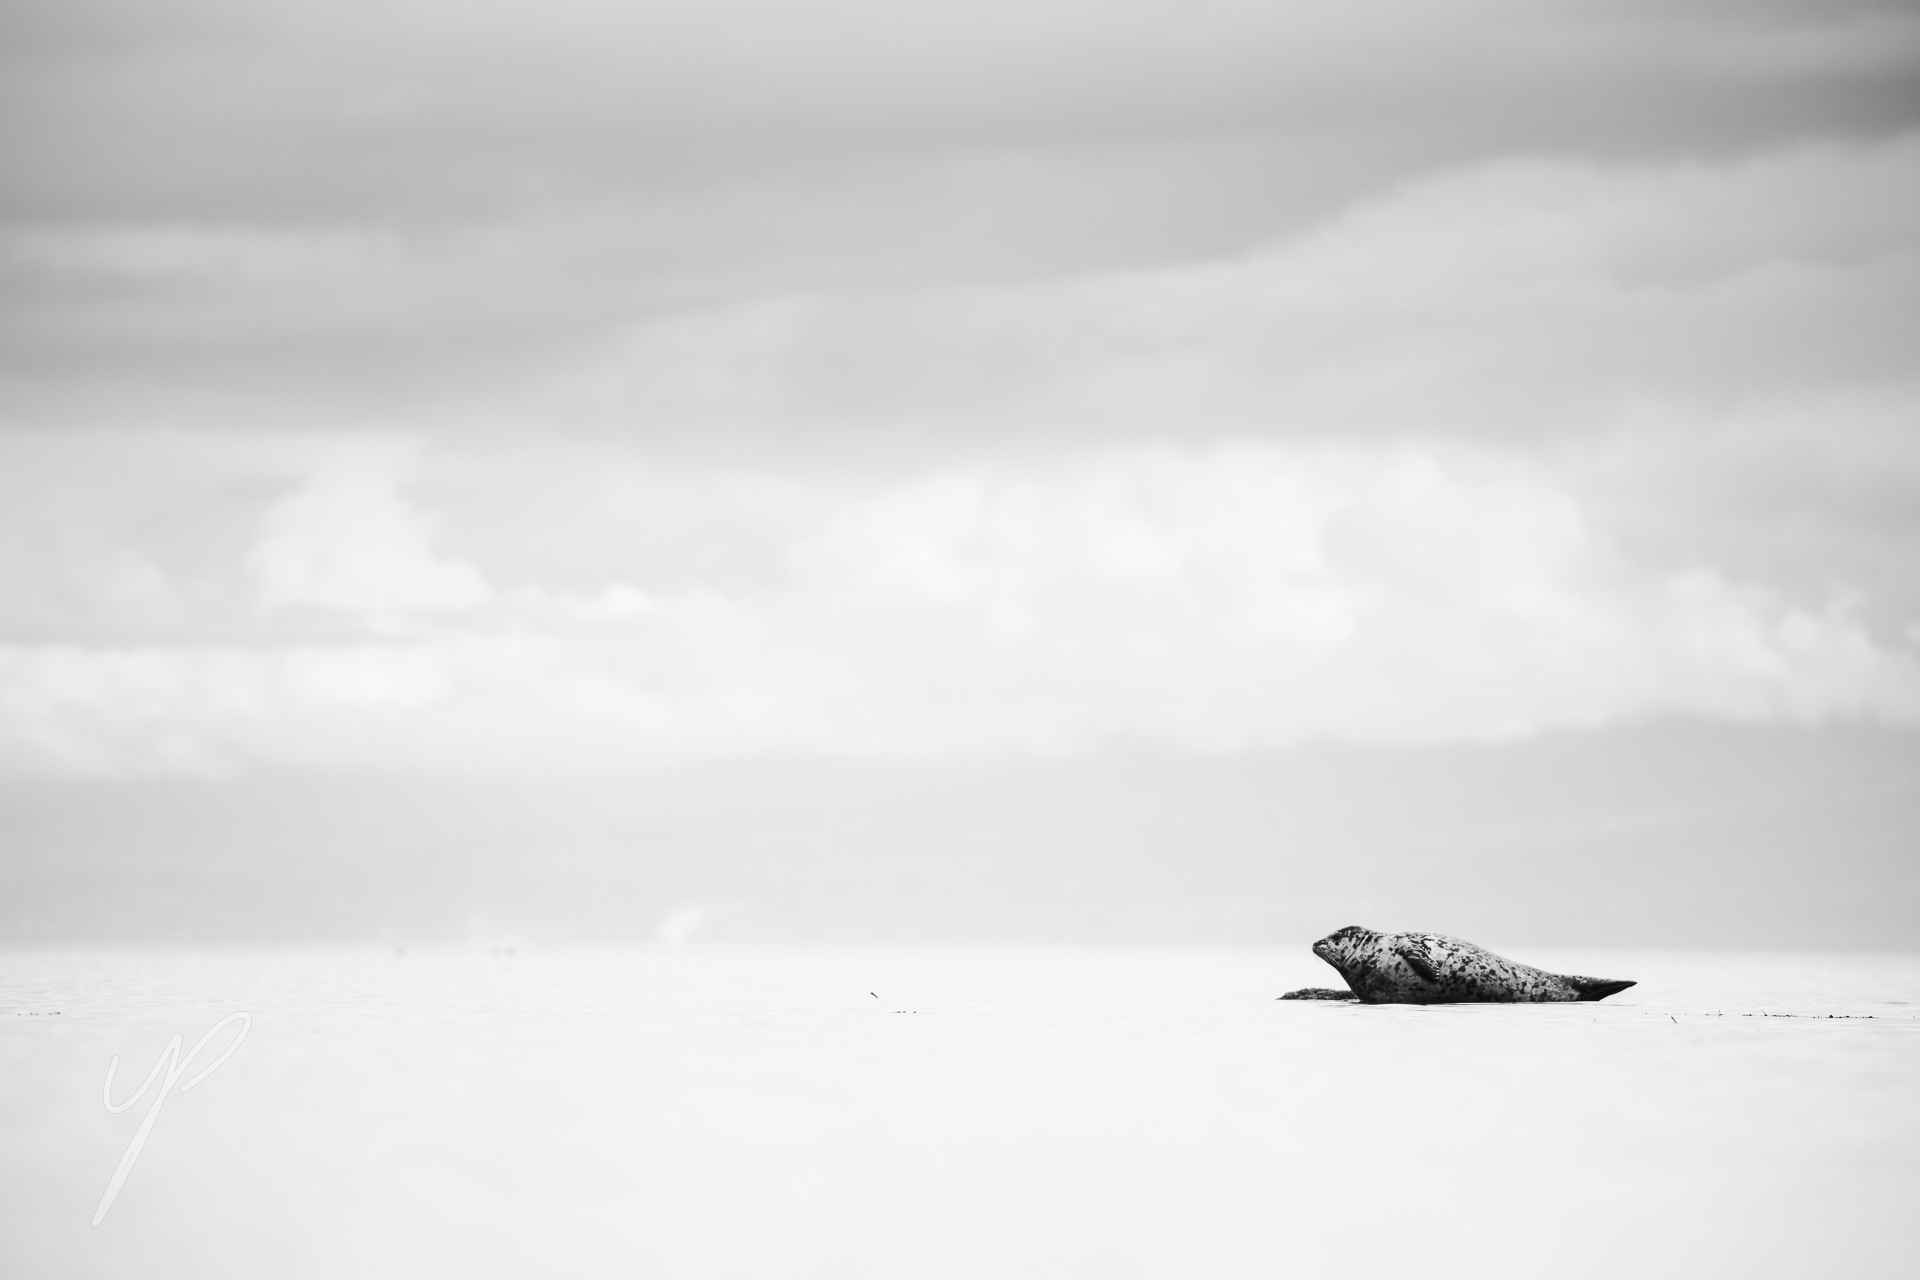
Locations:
(1598, 988)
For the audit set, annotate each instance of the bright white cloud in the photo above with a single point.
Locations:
(1255, 595)
(1217, 599)
(346, 540)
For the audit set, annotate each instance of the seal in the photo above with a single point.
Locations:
(1318, 993)
(1429, 968)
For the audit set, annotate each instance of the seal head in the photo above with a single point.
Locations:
(1431, 968)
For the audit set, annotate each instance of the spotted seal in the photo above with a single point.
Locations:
(1427, 968)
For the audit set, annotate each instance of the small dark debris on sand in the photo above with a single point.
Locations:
(1319, 993)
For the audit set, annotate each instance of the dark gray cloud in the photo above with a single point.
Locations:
(305, 112)
(437, 193)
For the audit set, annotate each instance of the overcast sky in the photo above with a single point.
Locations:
(486, 390)
(452, 386)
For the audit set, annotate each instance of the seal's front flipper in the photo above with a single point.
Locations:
(1598, 988)
(1417, 961)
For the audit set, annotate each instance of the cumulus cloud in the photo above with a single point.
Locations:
(1257, 595)
(1217, 599)
(204, 708)
(346, 540)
